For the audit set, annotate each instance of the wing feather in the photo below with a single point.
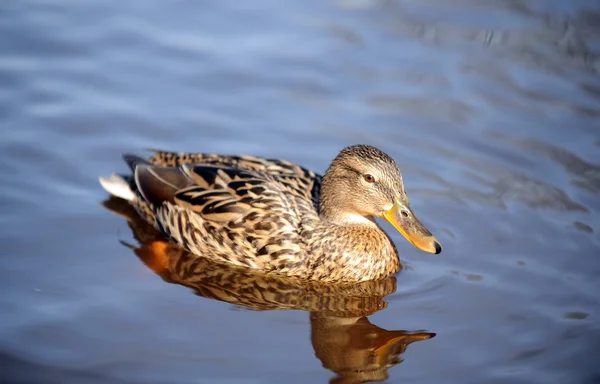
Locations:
(297, 179)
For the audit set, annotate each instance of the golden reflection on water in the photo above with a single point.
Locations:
(342, 336)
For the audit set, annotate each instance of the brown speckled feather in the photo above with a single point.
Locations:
(305, 182)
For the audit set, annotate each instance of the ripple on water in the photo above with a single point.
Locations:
(490, 108)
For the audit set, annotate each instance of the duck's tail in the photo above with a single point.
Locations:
(123, 186)
(117, 186)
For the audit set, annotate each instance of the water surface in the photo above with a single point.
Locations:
(492, 110)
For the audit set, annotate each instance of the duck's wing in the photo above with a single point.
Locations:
(242, 217)
(302, 180)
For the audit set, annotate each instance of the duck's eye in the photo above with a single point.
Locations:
(369, 178)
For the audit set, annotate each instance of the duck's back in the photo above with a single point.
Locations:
(297, 179)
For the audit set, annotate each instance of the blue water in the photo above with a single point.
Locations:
(491, 109)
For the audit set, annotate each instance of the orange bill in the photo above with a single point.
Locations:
(403, 219)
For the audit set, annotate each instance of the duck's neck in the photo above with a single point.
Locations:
(333, 208)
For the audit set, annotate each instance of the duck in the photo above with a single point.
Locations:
(275, 216)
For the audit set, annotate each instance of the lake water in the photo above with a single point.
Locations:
(491, 109)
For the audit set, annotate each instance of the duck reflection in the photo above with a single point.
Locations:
(357, 350)
(343, 338)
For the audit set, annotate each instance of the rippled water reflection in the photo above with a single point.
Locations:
(491, 109)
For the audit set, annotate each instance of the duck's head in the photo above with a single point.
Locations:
(364, 182)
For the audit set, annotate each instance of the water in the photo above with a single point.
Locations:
(492, 110)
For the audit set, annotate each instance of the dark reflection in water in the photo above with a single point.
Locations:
(343, 338)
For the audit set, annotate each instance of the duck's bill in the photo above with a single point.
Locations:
(403, 219)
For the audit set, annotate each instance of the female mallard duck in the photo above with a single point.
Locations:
(275, 216)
